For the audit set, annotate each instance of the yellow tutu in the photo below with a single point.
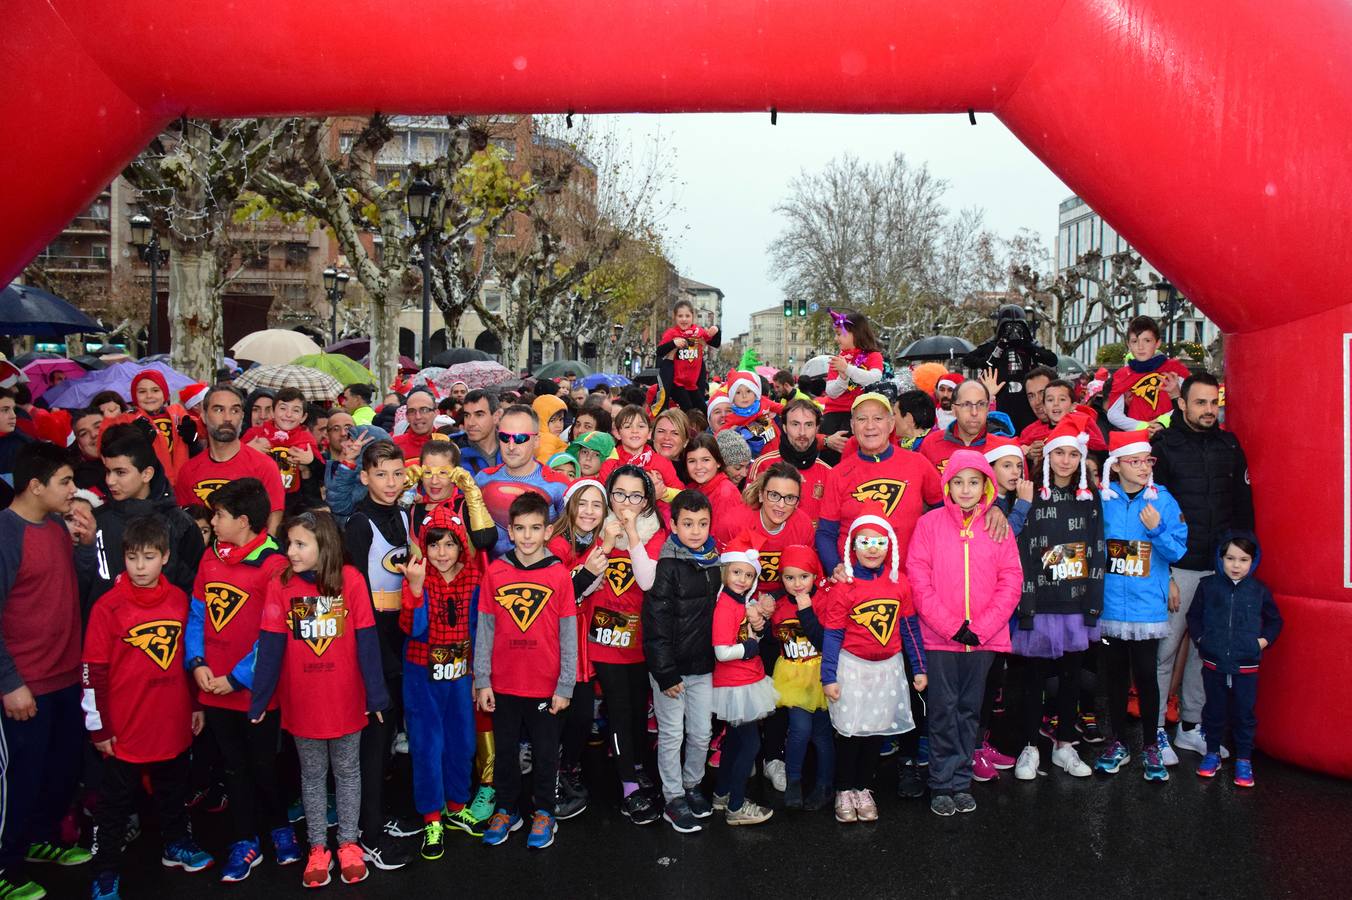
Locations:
(799, 683)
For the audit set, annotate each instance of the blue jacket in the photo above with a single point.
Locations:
(1136, 586)
(1227, 618)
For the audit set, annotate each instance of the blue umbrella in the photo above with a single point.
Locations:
(602, 379)
(77, 394)
(25, 309)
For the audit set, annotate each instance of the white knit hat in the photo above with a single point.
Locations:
(1126, 443)
(880, 523)
(1071, 431)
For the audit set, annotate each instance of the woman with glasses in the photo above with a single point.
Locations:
(769, 510)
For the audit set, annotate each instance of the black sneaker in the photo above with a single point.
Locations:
(570, 782)
(821, 795)
(386, 853)
(678, 815)
(645, 781)
(1088, 728)
(910, 786)
(567, 803)
(793, 795)
(401, 827)
(639, 809)
(700, 807)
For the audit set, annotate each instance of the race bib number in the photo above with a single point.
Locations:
(1066, 562)
(793, 643)
(447, 662)
(688, 353)
(317, 619)
(1129, 558)
(613, 629)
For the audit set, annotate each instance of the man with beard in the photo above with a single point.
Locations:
(798, 446)
(226, 458)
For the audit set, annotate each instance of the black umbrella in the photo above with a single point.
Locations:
(939, 346)
(92, 363)
(31, 357)
(28, 310)
(457, 355)
(560, 368)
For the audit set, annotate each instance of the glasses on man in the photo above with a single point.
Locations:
(625, 497)
(514, 437)
(786, 499)
(420, 410)
(870, 542)
(972, 405)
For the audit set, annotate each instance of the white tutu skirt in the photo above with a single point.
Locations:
(746, 702)
(874, 697)
(1133, 631)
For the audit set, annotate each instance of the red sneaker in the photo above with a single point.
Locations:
(317, 868)
(351, 863)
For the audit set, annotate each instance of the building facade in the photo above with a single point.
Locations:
(779, 340)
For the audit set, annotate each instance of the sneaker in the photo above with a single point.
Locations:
(942, 805)
(482, 806)
(819, 796)
(645, 781)
(865, 808)
(995, 757)
(1067, 758)
(793, 795)
(500, 827)
(910, 785)
(432, 845)
(542, 831)
(186, 855)
(715, 750)
(1211, 764)
(401, 743)
(1244, 773)
(1195, 740)
(244, 855)
(61, 854)
(567, 804)
(1088, 727)
(964, 802)
(1171, 710)
(1112, 759)
(386, 853)
(105, 887)
(775, 774)
(351, 863)
(845, 811)
(890, 747)
(1154, 765)
(295, 812)
(638, 809)
(317, 868)
(1167, 754)
(401, 827)
(570, 780)
(982, 770)
(751, 813)
(700, 807)
(285, 849)
(524, 758)
(464, 820)
(212, 799)
(1026, 767)
(922, 754)
(31, 890)
(678, 815)
(1048, 727)
(1133, 703)
(720, 802)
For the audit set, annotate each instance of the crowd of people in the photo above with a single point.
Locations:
(237, 601)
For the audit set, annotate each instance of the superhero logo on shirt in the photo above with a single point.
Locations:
(157, 639)
(206, 487)
(613, 629)
(1148, 387)
(769, 560)
(165, 426)
(886, 491)
(523, 601)
(793, 642)
(282, 456)
(878, 617)
(223, 601)
(619, 575)
(394, 558)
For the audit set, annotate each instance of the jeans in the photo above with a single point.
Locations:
(1230, 701)
(688, 719)
(39, 768)
(810, 728)
(1192, 695)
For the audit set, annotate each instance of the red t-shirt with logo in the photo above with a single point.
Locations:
(871, 613)
(902, 484)
(797, 530)
(201, 476)
(572, 561)
(860, 360)
(731, 627)
(814, 482)
(233, 594)
(689, 360)
(614, 634)
(147, 704)
(320, 689)
(527, 606)
(282, 442)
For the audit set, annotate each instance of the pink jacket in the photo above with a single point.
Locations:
(958, 573)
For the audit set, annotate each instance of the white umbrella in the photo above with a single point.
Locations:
(274, 346)
(816, 367)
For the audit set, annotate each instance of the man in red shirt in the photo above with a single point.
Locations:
(971, 402)
(421, 410)
(226, 459)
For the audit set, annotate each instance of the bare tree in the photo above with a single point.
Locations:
(1096, 295)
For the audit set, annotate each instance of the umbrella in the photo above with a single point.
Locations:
(601, 379)
(25, 309)
(816, 367)
(767, 372)
(460, 355)
(315, 385)
(352, 348)
(92, 363)
(939, 346)
(1069, 365)
(427, 376)
(561, 368)
(274, 346)
(23, 359)
(339, 366)
(475, 375)
(10, 374)
(44, 374)
(406, 365)
(77, 393)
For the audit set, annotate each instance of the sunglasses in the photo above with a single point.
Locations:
(514, 437)
(869, 542)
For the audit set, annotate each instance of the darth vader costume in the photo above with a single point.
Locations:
(1013, 353)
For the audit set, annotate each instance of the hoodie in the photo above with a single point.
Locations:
(547, 407)
(959, 575)
(1062, 551)
(1227, 618)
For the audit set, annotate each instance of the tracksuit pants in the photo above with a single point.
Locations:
(529, 715)
(117, 801)
(687, 719)
(441, 737)
(1230, 701)
(957, 684)
(1192, 696)
(39, 768)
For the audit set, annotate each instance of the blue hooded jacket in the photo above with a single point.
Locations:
(1136, 586)
(1227, 618)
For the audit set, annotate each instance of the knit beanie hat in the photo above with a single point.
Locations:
(1071, 431)
(1120, 444)
(733, 448)
(154, 376)
(801, 557)
(876, 520)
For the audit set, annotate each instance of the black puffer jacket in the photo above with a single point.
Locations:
(678, 618)
(1209, 477)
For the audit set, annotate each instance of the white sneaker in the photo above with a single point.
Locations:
(776, 774)
(1167, 754)
(1025, 769)
(1066, 757)
(1195, 741)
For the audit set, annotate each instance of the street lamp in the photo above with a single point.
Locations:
(335, 285)
(1169, 301)
(421, 198)
(148, 244)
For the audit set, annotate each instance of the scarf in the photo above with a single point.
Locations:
(1148, 365)
(705, 557)
(145, 596)
(800, 461)
(646, 526)
(237, 553)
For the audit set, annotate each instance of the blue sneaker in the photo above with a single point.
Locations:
(922, 755)
(284, 842)
(542, 829)
(1112, 759)
(244, 855)
(499, 827)
(105, 887)
(295, 812)
(1154, 765)
(1244, 773)
(1211, 764)
(889, 747)
(186, 855)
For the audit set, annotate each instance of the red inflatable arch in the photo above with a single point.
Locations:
(1214, 134)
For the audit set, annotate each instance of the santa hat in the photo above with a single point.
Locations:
(193, 394)
(1071, 431)
(719, 399)
(999, 451)
(801, 557)
(750, 380)
(1126, 443)
(742, 549)
(951, 379)
(155, 376)
(88, 496)
(872, 518)
(583, 483)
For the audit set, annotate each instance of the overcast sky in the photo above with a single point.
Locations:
(731, 171)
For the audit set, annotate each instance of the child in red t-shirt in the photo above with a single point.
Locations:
(683, 345)
(138, 704)
(286, 439)
(320, 652)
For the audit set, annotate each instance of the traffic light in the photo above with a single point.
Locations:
(802, 309)
(788, 308)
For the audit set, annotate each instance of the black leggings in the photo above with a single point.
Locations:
(250, 755)
(857, 762)
(625, 689)
(1067, 672)
(774, 734)
(995, 679)
(1123, 660)
(577, 723)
